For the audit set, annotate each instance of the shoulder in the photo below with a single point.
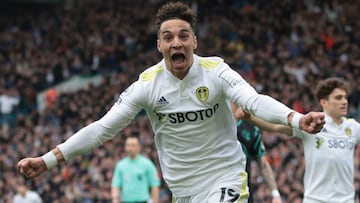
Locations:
(351, 121)
(122, 161)
(150, 73)
(210, 62)
(16, 197)
(145, 160)
(33, 193)
(352, 125)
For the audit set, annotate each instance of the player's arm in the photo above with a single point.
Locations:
(33, 167)
(267, 173)
(265, 107)
(53, 157)
(89, 137)
(263, 125)
(239, 113)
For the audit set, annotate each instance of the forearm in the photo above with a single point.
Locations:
(267, 173)
(272, 111)
(268, 109)
(97, 132)
(115, 195)
(84, 141)
(53, 158)
(263, 125)
(81, 142)
(155, 192)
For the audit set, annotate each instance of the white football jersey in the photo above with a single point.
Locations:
(195, 132)
(329, 158)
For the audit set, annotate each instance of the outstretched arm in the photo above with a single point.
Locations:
(263, 125)
(265, 107)
(33, 167)
(239, 113)
(90, 136)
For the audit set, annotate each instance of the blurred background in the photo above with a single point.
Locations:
(63, 63)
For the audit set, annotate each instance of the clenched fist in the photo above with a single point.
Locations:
(32, 167)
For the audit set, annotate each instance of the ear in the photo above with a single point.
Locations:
(323, 102)
(158, 45)
(195, 42)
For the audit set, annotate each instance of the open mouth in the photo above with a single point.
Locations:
(178, 57)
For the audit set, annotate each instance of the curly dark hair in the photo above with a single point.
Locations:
(175, 10)
(327, 86)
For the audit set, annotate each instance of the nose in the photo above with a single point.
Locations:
(176, 43)
(345, 100)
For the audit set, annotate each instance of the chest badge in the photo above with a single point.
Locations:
(319, 142)
(202, 93)
(348, 132)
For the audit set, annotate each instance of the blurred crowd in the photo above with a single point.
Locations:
(281, 47)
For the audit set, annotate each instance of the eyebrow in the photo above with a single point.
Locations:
(181, 31)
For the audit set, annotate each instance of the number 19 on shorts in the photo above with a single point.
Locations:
(228, 195)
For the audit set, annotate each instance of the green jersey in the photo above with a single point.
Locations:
(135, 177)
(253, 147)
(250, 139)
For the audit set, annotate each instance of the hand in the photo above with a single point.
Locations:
(116, 200)
(32, 167)
(241, 114)
(276, 199)
(312, 122)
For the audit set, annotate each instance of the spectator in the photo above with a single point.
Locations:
(9, 101)
(24, 195)
(32, 30)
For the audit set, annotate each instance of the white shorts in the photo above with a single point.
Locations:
(226, 192)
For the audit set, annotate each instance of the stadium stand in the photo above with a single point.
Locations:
(281, 47)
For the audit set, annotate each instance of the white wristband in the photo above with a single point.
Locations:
(295, 121)
(50, 159)
(275, 193)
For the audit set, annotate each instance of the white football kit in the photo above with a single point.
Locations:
(195, 133)
(329, 158)
(28, 197)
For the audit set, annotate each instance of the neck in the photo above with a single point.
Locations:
(179, 74)
(336, 119)
(133, 157)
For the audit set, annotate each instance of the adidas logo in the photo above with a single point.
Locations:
(324, 130)
(162, 101)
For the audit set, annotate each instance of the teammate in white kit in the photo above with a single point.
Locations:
(329, 155)
(187, 100)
